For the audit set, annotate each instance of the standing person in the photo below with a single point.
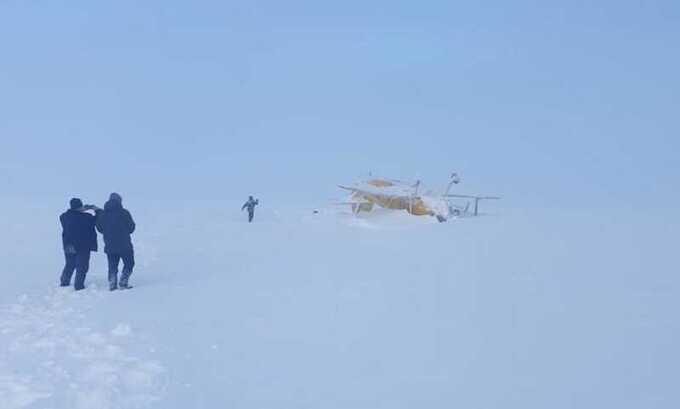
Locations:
(115, 223)
(79, 239)
(250, 205)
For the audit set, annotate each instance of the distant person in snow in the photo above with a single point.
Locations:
(250, 205)
(115, 223)
(79, 239)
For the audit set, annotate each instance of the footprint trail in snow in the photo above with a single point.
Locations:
(51, 358)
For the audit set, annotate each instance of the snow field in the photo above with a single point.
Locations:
(58, 361)
(522, 309)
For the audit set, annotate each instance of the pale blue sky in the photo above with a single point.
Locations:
(552, 101)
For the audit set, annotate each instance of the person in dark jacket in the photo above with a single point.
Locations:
(79, 239)
(250, 205)
(116, 225)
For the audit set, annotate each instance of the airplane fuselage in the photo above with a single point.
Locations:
(414, 205)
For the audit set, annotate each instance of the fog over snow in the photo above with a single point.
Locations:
(564, 294)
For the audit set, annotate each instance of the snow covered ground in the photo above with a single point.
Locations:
(517, 309)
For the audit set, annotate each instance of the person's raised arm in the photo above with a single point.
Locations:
(91, 220)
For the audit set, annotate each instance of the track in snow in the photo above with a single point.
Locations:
(51, 358)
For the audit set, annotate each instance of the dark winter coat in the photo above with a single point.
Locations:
(250, 205)
(116, 225)
(78, 231)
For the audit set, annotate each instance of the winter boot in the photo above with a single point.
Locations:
(124, 284)
(124, 277)
(113, 280)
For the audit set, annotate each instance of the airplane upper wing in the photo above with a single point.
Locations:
(381, 194)
(474, 197)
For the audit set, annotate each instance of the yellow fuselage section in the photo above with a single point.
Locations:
(414, 206)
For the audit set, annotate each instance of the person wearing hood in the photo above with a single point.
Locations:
(250, 205)
(79, 239)
(115, 223)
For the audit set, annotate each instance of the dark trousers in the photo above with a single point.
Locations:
(128, 258)
(251, 214)
(78, 262)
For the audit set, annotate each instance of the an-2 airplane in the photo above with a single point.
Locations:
(398, 195)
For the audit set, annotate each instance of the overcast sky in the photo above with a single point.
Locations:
(556, 102)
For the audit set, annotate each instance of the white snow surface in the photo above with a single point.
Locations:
(517, 309)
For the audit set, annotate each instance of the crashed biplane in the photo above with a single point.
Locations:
(399, 195)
